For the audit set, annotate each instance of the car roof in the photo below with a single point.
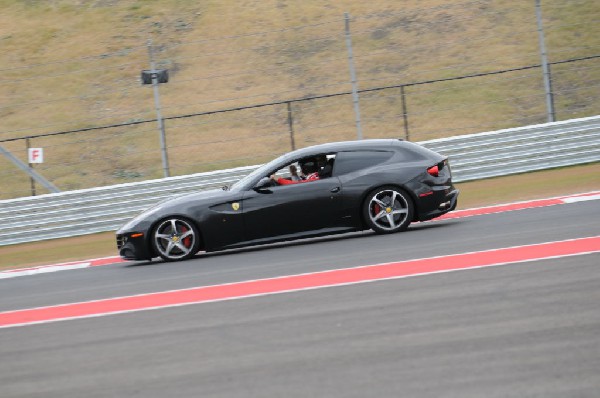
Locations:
(371, 144)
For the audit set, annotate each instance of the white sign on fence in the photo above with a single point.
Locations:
(36, 155)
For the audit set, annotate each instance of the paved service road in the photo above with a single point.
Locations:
(526, 329)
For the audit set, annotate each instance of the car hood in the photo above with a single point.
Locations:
(173, 204)
(196, 197)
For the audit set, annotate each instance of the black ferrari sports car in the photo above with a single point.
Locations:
(382, 185)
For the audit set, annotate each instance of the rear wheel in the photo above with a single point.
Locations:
(388, 210)
(176, 238)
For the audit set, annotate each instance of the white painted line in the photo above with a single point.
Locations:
(575, 199)
(42, 270)
(300, 282)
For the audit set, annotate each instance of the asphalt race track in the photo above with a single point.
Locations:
(526, 329)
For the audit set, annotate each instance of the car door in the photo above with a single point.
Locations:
(292, 209)
(222, 222)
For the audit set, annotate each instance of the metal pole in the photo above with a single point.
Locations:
(353, 76)
(545, 65)
(23, 166)
(291, 124)
(404, 113)
(161, 125)
(31, 167)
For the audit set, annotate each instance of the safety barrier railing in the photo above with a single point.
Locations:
(473, 157)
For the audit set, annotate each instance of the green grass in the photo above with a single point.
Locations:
(473, 194)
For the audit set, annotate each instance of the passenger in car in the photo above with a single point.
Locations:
(327, 169)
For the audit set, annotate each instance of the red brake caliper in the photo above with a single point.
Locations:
(187, 241)
(376, 208)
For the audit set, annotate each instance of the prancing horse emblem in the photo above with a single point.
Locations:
(235, 206)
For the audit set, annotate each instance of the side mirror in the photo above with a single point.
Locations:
(263, 184)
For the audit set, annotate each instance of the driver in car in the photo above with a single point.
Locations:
(309, 167)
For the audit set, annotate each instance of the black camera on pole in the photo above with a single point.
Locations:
(162, 76)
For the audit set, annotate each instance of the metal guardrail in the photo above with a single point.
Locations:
(523, 149)
(474, 156)
(102, 209)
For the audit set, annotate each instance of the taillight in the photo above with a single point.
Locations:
(434, 171)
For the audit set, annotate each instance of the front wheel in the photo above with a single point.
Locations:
(176, 239)
(388, 210)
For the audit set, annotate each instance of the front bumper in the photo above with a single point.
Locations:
(133, 247)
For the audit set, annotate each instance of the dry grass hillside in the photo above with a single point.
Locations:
(75, 64)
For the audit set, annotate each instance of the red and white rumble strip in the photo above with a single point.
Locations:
(60, 267)
(301, 282)
(455, 214)
(561, 200)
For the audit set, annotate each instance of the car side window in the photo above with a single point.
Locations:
(305, 170)
(290, 171)
(348, 162)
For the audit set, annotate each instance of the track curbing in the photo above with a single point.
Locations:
(494, 209)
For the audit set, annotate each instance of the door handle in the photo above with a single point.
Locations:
(335, 189)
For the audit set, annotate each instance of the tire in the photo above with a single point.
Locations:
(176, 238)
(388, 209)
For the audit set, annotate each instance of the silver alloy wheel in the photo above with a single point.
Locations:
(388, 210)
(175, 239)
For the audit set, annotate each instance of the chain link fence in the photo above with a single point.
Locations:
(422, 73)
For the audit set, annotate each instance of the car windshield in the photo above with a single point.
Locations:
(260, 172)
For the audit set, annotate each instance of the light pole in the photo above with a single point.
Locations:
(155, 76)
